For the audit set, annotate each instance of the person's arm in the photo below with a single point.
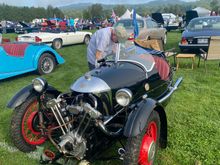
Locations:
(98, 55)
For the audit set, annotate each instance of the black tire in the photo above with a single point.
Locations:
(134, 144)
(21, 115)
(57, 44)
(86, 40)
(46, 64)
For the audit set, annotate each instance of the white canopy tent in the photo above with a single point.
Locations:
(202, 12)
(128, 14)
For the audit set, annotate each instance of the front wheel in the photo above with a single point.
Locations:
(46, 64)
(142, 149)
(24, 126)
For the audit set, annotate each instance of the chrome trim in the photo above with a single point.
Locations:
(172, 89)
(92, 85)
(197, 45)
(146, 70)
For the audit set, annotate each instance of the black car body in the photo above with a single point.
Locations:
(198, 32)
(124, 98)
(25, 28)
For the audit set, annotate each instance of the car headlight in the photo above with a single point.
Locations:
(39, 84)
(123, 97)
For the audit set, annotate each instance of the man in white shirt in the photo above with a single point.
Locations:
(101, 44)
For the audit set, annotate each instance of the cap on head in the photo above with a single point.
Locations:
(121, 33)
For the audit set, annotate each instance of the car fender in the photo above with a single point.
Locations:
(22, 95)
(138, 117)
(47, 49)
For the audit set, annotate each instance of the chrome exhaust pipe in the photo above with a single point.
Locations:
(172, 89)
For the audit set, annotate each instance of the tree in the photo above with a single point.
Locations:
(96, 11)
(119, 10)
(215, 5)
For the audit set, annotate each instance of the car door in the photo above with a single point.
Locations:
(74, 37)
(154, 31)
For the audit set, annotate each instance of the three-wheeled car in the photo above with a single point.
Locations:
(124, 98)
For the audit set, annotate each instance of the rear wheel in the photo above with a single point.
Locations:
(86, 39)
(24, 126)
(165, 39)
(57, 44)
(142, 148)
(46, 64)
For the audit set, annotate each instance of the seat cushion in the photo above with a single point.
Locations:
(12, 49)
(162, 67)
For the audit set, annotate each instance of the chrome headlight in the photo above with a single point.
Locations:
(39, 84)
(123, 97)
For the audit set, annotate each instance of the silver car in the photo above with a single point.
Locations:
(148, 28)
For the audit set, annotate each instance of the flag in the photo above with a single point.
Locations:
(135, 24)
(113, 14)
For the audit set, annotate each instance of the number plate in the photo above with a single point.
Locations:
(202, 41)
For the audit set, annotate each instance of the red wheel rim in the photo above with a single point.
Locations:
(30, 135)
(148, 145)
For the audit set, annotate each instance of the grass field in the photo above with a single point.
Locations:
(193, 112)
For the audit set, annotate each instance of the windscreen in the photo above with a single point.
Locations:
(208, 23)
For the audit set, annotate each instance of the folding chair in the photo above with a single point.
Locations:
(157, 47)
(213, 51)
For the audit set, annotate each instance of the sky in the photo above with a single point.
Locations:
(57, 3)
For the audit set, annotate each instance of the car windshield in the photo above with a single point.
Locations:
(208, 23)
(128, 24)
(129, 52)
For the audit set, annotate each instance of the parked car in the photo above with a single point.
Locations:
(19, 58)
(171, 21)
(56, 38)
(148, 28)
(124, 98)
(7, 27)
(198, 32)
(25, 28)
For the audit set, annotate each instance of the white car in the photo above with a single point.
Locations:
(56, 39)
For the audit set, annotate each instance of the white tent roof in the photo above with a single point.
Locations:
(128, 14)
(202, 12)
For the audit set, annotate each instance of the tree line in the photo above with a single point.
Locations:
(97, 10)
(27, 14)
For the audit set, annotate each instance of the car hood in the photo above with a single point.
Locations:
(197, 33)
(106, 78)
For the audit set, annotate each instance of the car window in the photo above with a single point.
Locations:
(127, 23)
(155, 25)
(149, 24)
(208, 23)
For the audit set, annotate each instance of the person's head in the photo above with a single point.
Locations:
(119, 34)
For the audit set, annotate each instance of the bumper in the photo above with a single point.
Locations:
(193, 47)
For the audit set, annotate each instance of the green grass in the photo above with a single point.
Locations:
(193, 112)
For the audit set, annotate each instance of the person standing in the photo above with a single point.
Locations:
(102, 43)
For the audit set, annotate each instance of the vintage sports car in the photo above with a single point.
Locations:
(23, 28)
(198, 33)
(56, 38)
(19, 58)
(148, 28)
(124, 98)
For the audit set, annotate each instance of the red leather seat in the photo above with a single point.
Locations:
(12, 49)
(162, 67)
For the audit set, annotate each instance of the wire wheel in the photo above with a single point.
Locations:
(46, 64)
